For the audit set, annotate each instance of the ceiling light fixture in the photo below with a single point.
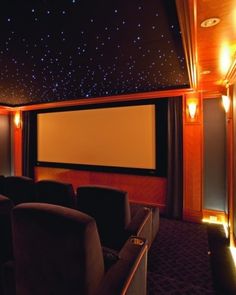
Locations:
(210, 22)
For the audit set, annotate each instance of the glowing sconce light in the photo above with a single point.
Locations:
(192, 106)
(17, 120)
(225, 58)
(226, 102)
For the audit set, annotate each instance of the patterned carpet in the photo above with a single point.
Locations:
(178, 262)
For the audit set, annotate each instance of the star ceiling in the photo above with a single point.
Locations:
(64, 50)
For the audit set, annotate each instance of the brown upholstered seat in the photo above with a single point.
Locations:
(19, 189)
(2, 179)
(6, 206)
(55, 192)
(57, 251)
(111, 209)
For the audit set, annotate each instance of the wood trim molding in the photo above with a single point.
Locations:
(187, 14)
(5, 110)
(108, 99)
(192, 216)
(230, 77)
(193, 166)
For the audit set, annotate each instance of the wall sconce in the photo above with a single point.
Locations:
(226, 102)
(192, 108)
(17, 120)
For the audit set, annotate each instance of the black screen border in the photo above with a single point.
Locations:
(160, 138)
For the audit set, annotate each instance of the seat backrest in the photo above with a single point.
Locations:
(2, 180)
(6, 252)
(110, 208)
(55, 192)
(19, 189)
(6, 206)
(57, 251)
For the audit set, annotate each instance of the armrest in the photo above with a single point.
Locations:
(134, 207)
(8, 277)
(110, 257)
(141, 224)
(6, 206)
(129, 274)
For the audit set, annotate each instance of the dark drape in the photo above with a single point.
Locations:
(175, 159)
(29, 143)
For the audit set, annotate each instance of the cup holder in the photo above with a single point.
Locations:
(137, 241)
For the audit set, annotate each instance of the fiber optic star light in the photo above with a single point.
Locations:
(64, 50)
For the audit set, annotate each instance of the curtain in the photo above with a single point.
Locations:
(29, 143)
(175, 159)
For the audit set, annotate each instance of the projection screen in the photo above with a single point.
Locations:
(113, 136)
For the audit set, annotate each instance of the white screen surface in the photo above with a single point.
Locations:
(114, 136)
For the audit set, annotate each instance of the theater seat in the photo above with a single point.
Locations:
(58, 252)
(6, 206)
(2, 179)
(55, 192)
(111, 209)
(19, 189)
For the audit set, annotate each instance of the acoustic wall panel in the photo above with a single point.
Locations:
(214, 155)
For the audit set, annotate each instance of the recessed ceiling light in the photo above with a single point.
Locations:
(210, 22)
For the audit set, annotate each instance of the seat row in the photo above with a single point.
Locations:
(116, 218)
(57, 251)
(108, 205)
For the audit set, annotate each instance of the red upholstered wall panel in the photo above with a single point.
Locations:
(143, 189)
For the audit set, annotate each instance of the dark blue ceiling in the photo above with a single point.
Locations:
(64, 50)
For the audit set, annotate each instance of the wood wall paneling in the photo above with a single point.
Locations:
(17, 148)
(193, 165)
(231, 161)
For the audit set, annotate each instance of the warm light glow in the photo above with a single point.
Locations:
(206, 220)
(224, 224)
(192, 104)
(233, 253)
(192, 108)
(17, 120)
(234, 19)
(226, 102)
(225, 58)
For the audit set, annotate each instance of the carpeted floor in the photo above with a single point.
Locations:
(179, 261)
